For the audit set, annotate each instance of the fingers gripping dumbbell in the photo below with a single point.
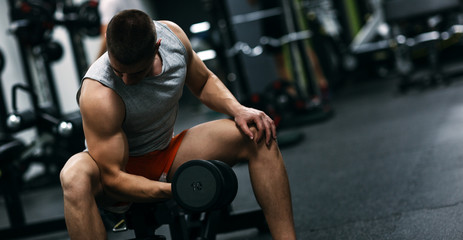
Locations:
(200, 185)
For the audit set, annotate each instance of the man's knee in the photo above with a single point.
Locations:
(78, 174)
(257, 150)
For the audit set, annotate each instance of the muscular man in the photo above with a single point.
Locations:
(129, 102)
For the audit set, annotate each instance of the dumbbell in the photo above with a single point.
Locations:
(201, 185)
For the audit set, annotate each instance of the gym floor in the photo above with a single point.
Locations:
(386, 166)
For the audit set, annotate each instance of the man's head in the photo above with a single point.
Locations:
(131, 37)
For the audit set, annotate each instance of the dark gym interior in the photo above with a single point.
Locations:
(367, 103)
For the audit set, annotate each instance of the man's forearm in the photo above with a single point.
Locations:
(132, 188)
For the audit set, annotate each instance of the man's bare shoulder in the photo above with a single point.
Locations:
(94, 92)
(178, 31)
(173, 26)
(100, 104)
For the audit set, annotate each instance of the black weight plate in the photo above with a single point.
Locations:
(230, 184)
(197, 185)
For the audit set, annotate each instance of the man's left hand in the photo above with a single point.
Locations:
(264, 124)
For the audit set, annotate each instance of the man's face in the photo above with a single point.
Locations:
(133, 73)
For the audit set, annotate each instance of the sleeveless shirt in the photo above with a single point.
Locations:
(151, 105)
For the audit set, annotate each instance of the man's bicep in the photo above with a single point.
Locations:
(105, 138)
(110, 152)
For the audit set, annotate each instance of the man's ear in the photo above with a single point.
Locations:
(158, 43)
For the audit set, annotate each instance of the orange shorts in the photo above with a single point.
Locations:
(155, 165)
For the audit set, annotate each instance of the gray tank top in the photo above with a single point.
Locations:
(151, 106)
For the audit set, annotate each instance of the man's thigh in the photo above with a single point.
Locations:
(215, 140)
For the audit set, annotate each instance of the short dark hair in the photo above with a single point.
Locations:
(131, 36)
